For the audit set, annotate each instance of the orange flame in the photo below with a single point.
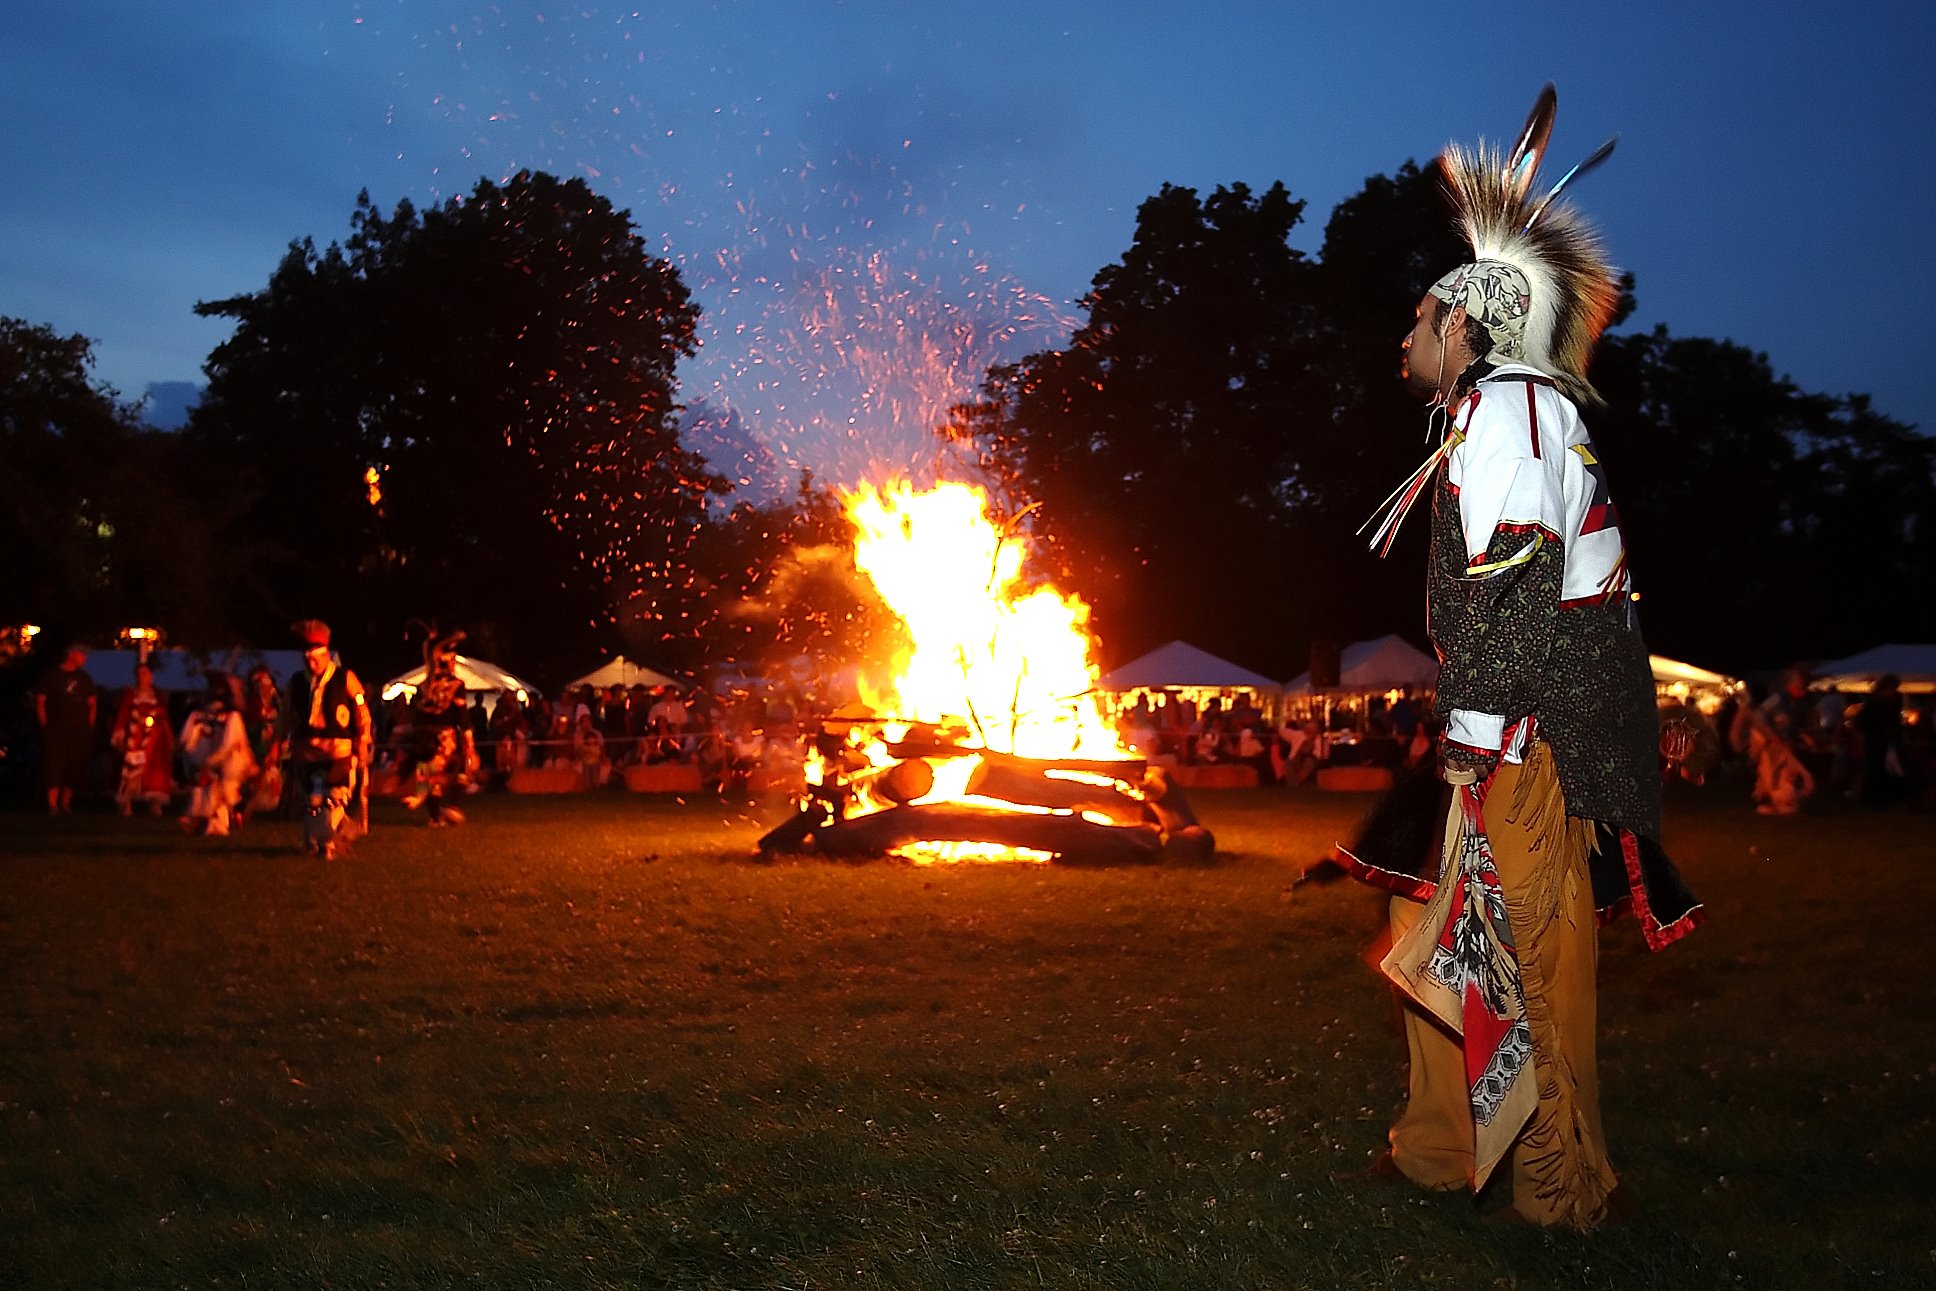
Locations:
(1009, 662)
(996, 662)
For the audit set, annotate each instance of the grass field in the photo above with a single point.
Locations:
(592, 1042)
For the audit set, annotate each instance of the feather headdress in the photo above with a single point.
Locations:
(1539, 282)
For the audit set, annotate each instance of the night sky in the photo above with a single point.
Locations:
(833, 178)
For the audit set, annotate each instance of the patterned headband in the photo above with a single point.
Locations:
(1496, 295)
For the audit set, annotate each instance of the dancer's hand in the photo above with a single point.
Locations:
(1464, 764)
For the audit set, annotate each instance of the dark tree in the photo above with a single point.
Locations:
(1209, 442)
(466, 415)
(107, 524)
(1167, 441)
(1767, 524)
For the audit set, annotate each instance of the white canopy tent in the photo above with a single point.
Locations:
(477, 675)
(1182, 666)
(1184, 672)
(1685, 682)
(623, 672)
(1914, 664)
(1375, 666)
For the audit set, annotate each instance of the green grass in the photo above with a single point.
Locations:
(595, 1043)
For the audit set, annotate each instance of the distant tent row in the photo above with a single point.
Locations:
(1364, 668)
(477, 676)
(1387, 663)
(1915, 665)
(1181, 666)
(1381, 664)
(623, 672)
(1390, 663)
(487, 678)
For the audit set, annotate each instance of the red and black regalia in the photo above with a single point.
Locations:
(1550, 748)
(443, 749)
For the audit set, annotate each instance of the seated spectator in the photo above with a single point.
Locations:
(588, 747)
(559, 750)
(713, 753)
(1306, 750)
(748, 751)
(667, 721)
(509, 734)
(1208, 746)
(784, 756)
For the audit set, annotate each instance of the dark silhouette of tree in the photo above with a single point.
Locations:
(1210, 440)
(107, 524)
(466, 414)
(1175, 425)
(1766, 523)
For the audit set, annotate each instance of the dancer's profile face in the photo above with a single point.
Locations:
(1435, 352)
(1422, 356)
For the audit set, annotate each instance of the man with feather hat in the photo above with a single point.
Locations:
(1547, 703)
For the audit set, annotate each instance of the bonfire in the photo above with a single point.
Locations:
(987, 740)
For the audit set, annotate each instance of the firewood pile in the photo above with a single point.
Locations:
(1073, 810)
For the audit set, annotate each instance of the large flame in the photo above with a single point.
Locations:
(994, 663)
(1009, 662)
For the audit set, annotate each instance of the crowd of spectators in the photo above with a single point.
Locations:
(1792, 744)
(597, 733)
(1289, 749)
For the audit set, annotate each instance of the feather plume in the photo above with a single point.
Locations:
(1574, 290)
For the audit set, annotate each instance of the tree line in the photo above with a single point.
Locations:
(469, 414)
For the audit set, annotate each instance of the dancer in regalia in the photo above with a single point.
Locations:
(215, 753)
(443, 749)
(146, 744)
(329, 741)
(1550, 737)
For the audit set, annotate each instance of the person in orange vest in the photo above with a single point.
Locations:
(328, 734)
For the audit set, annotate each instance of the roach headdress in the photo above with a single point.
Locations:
(1539, 282)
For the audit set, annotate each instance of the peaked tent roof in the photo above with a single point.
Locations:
(1182, 664)
(476, 674)
(623, 672)
(1915, 664)
(1673, 670)
(1382, 663)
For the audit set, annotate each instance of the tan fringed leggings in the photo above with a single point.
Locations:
(1560, 1171)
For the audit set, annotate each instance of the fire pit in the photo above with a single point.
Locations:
(997, 749)
(934, 799)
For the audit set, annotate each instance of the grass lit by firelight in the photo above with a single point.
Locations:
(594, 1043)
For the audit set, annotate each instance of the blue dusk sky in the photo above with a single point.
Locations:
(863, 194)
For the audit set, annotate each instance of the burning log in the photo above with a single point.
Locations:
(1011, 783)
(902, 782)
(1128, 770)
(1075, 810)
(1070, 838)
